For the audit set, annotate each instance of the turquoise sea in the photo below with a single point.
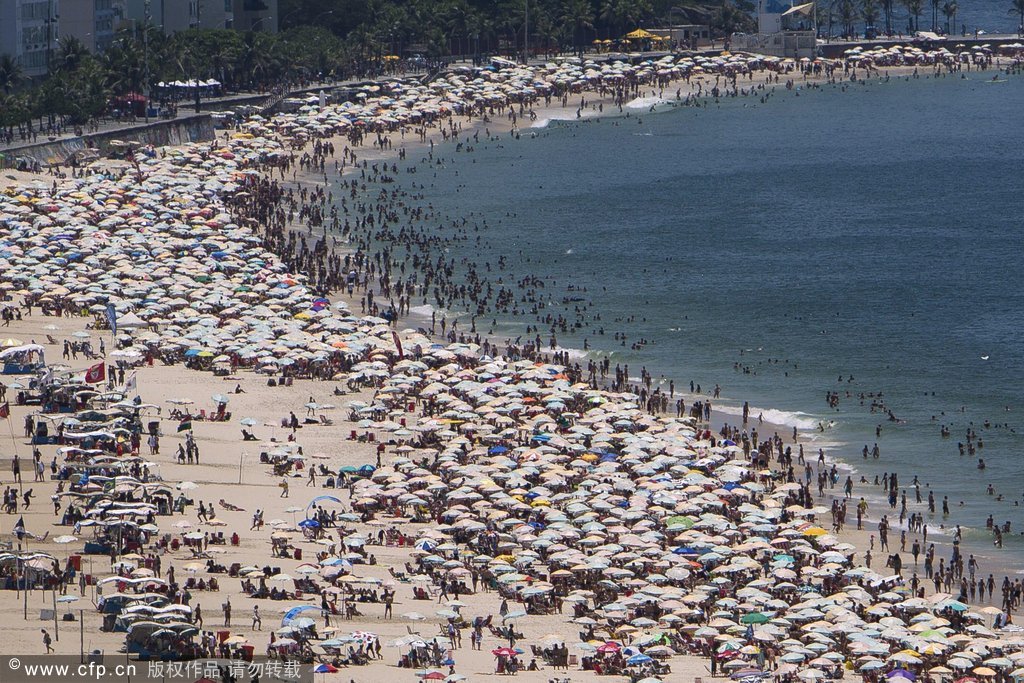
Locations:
(871, 231)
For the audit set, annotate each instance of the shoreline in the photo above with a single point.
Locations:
(538, 117)
(219, 471)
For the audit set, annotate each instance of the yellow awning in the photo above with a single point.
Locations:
(640, 34)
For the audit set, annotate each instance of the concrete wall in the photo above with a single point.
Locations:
(194, 128)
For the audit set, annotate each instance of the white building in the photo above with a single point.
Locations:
(28, 31)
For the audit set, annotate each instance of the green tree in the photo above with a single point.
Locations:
(847, 16)
(888, 10)
(256, 61)
(869, 12)
(949, 10)
(914, 8)
(576, 17)
(70, 53)
(123, 63)
(10, 73)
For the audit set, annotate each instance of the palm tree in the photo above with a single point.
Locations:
(869, 13)
(915, 7)
(888, 7)
(124, 65)
(847, 16)
(576, 16)
(827, 17)
(949, 9)
(10, 73)
(609, 16)
(70, 54)
(256, 60)
(1018, 9)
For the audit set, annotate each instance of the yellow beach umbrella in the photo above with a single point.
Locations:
(640, 34)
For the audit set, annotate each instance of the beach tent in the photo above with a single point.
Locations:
(130, 321)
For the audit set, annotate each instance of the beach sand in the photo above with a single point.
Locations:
(230, 470)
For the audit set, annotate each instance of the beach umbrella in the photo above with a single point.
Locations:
(324, 669)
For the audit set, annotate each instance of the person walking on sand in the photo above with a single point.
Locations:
(227, 612)
(257, 623)
(284, 487)
(47, 641)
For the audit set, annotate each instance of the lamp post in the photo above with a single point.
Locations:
(51, 19)
(526, 32)
(145, 61)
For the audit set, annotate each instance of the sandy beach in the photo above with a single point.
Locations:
(469, 466)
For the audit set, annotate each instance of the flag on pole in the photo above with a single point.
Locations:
(185, 425)
(112, 318)
(5, 411)
(130, 384)
(96, 373)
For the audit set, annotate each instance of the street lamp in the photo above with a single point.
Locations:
(51, 19)
(145, 48)
(526, 32)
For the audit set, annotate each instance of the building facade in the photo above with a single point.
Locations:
(29, 31)
(172, 16)
(94, 22)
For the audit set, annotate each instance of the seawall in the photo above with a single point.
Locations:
(184, 129)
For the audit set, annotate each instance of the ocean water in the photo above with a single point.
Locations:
(872, 231)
